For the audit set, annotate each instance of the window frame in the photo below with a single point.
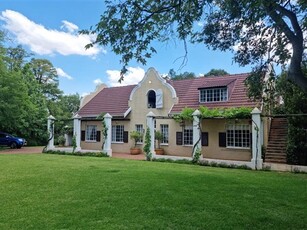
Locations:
(165, 135)
(139, 128)
(91, 137)
(206, 93)
(238, 136)
(114, 134)
(187, 133)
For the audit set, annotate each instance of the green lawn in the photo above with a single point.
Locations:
(67, 192)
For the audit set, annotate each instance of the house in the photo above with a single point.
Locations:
(128, 107)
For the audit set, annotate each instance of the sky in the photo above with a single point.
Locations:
(49, 30)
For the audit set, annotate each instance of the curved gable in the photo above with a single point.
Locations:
(152, 72)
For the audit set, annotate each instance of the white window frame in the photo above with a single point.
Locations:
(139, 128)
(238, 136)
(91, 133)
(218, 94)
(188, 136)
(165, 134)
(117, 134)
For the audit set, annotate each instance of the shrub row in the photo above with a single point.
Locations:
(204, 163)
(85, 154)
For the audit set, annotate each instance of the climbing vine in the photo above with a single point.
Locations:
(206, 113)
(104, 129)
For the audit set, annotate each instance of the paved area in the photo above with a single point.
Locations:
(39, 149)
(23, 150)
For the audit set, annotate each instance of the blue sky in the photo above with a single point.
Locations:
(48, 29)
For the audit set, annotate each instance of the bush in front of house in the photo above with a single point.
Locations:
(85, 154)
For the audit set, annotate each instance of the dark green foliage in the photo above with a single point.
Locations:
(146, 148)
(216, 72)
(29, 93)
(181, 76)
(295, 102)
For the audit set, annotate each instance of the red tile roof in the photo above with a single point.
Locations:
(188, 93)
(112, 100)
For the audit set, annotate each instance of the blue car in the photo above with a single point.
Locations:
(11, 141)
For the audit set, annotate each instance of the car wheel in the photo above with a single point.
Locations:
(13, 145)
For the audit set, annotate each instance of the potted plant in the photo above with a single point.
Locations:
(158, 138)
(135, 136)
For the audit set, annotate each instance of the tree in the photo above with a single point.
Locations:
(16, 57)
(216, 72)
(259, 31)
(186, 75)
(46, 75)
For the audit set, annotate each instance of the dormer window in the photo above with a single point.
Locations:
(213, 94)
(151, 96)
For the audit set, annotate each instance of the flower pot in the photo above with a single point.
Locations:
(159, 151)
(135, 151)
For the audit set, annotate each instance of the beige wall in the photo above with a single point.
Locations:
(91, 144)
(213, 127)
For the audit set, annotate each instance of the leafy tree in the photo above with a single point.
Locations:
(16, 57)
(186, 75)
(216, 72)
(46, 75)
(259, 31)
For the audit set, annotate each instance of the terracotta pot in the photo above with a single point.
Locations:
(135, 151)
(159, 151)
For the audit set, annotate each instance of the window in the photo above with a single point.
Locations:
(118, 133)
(164, 132)
(213, 94)
(139, 128)
(91, 132)
(151, 96)
(188, 135)
(238, 136)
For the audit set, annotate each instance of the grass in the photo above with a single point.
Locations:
(66, 192)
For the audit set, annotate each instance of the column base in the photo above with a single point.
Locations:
(257, 164)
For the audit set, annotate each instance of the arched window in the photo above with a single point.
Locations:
(151, 99)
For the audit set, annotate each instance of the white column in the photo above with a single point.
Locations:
(256, 136)
(50, 127)
(107, 141)
(196, 130)
(77, 131)
(151, 125)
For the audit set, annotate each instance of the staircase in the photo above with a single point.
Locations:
(276, 150)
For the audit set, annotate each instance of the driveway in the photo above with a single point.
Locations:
(23, 150)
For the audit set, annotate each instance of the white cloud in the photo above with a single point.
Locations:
(61, 73)
(97, 81)
(45, 41)
(133, 76)
(70, 27)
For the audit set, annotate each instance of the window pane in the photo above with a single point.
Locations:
(91, 131)
(117, 133)
(238, 136)
(164, 132)
(188, 136)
